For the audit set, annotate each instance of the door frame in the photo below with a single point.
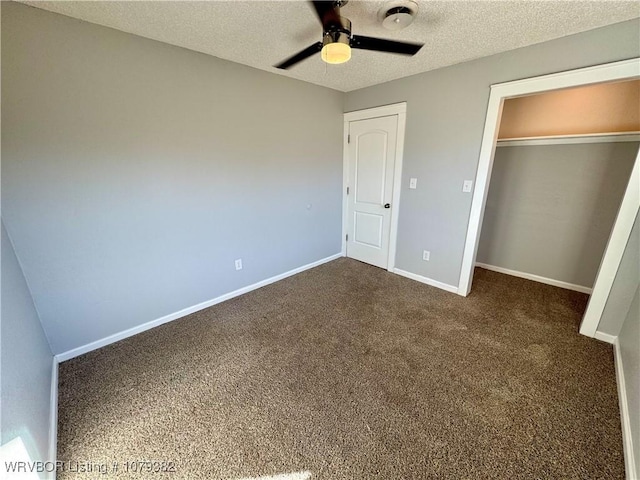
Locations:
(400, 110)
(623, 70)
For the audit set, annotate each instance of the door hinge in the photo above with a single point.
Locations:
(349, 138)
(347, 190)
(347, 237)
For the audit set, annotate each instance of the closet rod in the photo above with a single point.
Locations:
(570, 139)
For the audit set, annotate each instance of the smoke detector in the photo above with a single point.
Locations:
(397, 15)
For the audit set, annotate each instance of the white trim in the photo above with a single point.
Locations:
(613, 253)
(345, 185)
(61, 357)
(570, 139)
(585, 76)
(384, 111)
(397, 186)
(535, 278)
(425, 280)
(479, 199)
(399, 110)
(607, 72)
(53, 414)
(627, 440)
(605, 337)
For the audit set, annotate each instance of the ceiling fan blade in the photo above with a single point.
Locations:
(298, 57)
(382, 45)
(327, 12)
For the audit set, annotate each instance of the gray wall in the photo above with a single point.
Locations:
(624, 285)
(551, 208)
(135, 172)
(629, 339)
(26, 361)
(446, 110)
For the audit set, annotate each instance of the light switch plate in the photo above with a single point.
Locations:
(413, 183)
(467, 186)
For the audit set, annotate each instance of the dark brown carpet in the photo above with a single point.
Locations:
(349, 372)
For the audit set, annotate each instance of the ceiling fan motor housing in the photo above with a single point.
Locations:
(338, 33)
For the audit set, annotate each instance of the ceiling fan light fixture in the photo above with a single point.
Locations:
(336, 46)
(336, 52)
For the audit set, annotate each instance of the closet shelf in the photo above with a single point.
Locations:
(570, 139)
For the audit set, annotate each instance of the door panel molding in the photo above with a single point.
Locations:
(378, 193)
(375, 222)
(399, 109)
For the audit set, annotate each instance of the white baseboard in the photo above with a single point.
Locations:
(53, 415)
(428, 281)
(536, 278)
(75, 352)
(627, 441)
(605, 337)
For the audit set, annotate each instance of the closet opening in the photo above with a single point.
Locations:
(562, 163)
(558, 181)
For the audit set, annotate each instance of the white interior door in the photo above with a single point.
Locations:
(372, 150)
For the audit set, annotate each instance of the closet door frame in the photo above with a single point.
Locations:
(616, 71)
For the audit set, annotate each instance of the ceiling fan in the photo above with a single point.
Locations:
(337, 40)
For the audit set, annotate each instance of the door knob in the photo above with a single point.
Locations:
(387, 205)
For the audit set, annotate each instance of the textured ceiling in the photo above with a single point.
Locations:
(262, 33)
